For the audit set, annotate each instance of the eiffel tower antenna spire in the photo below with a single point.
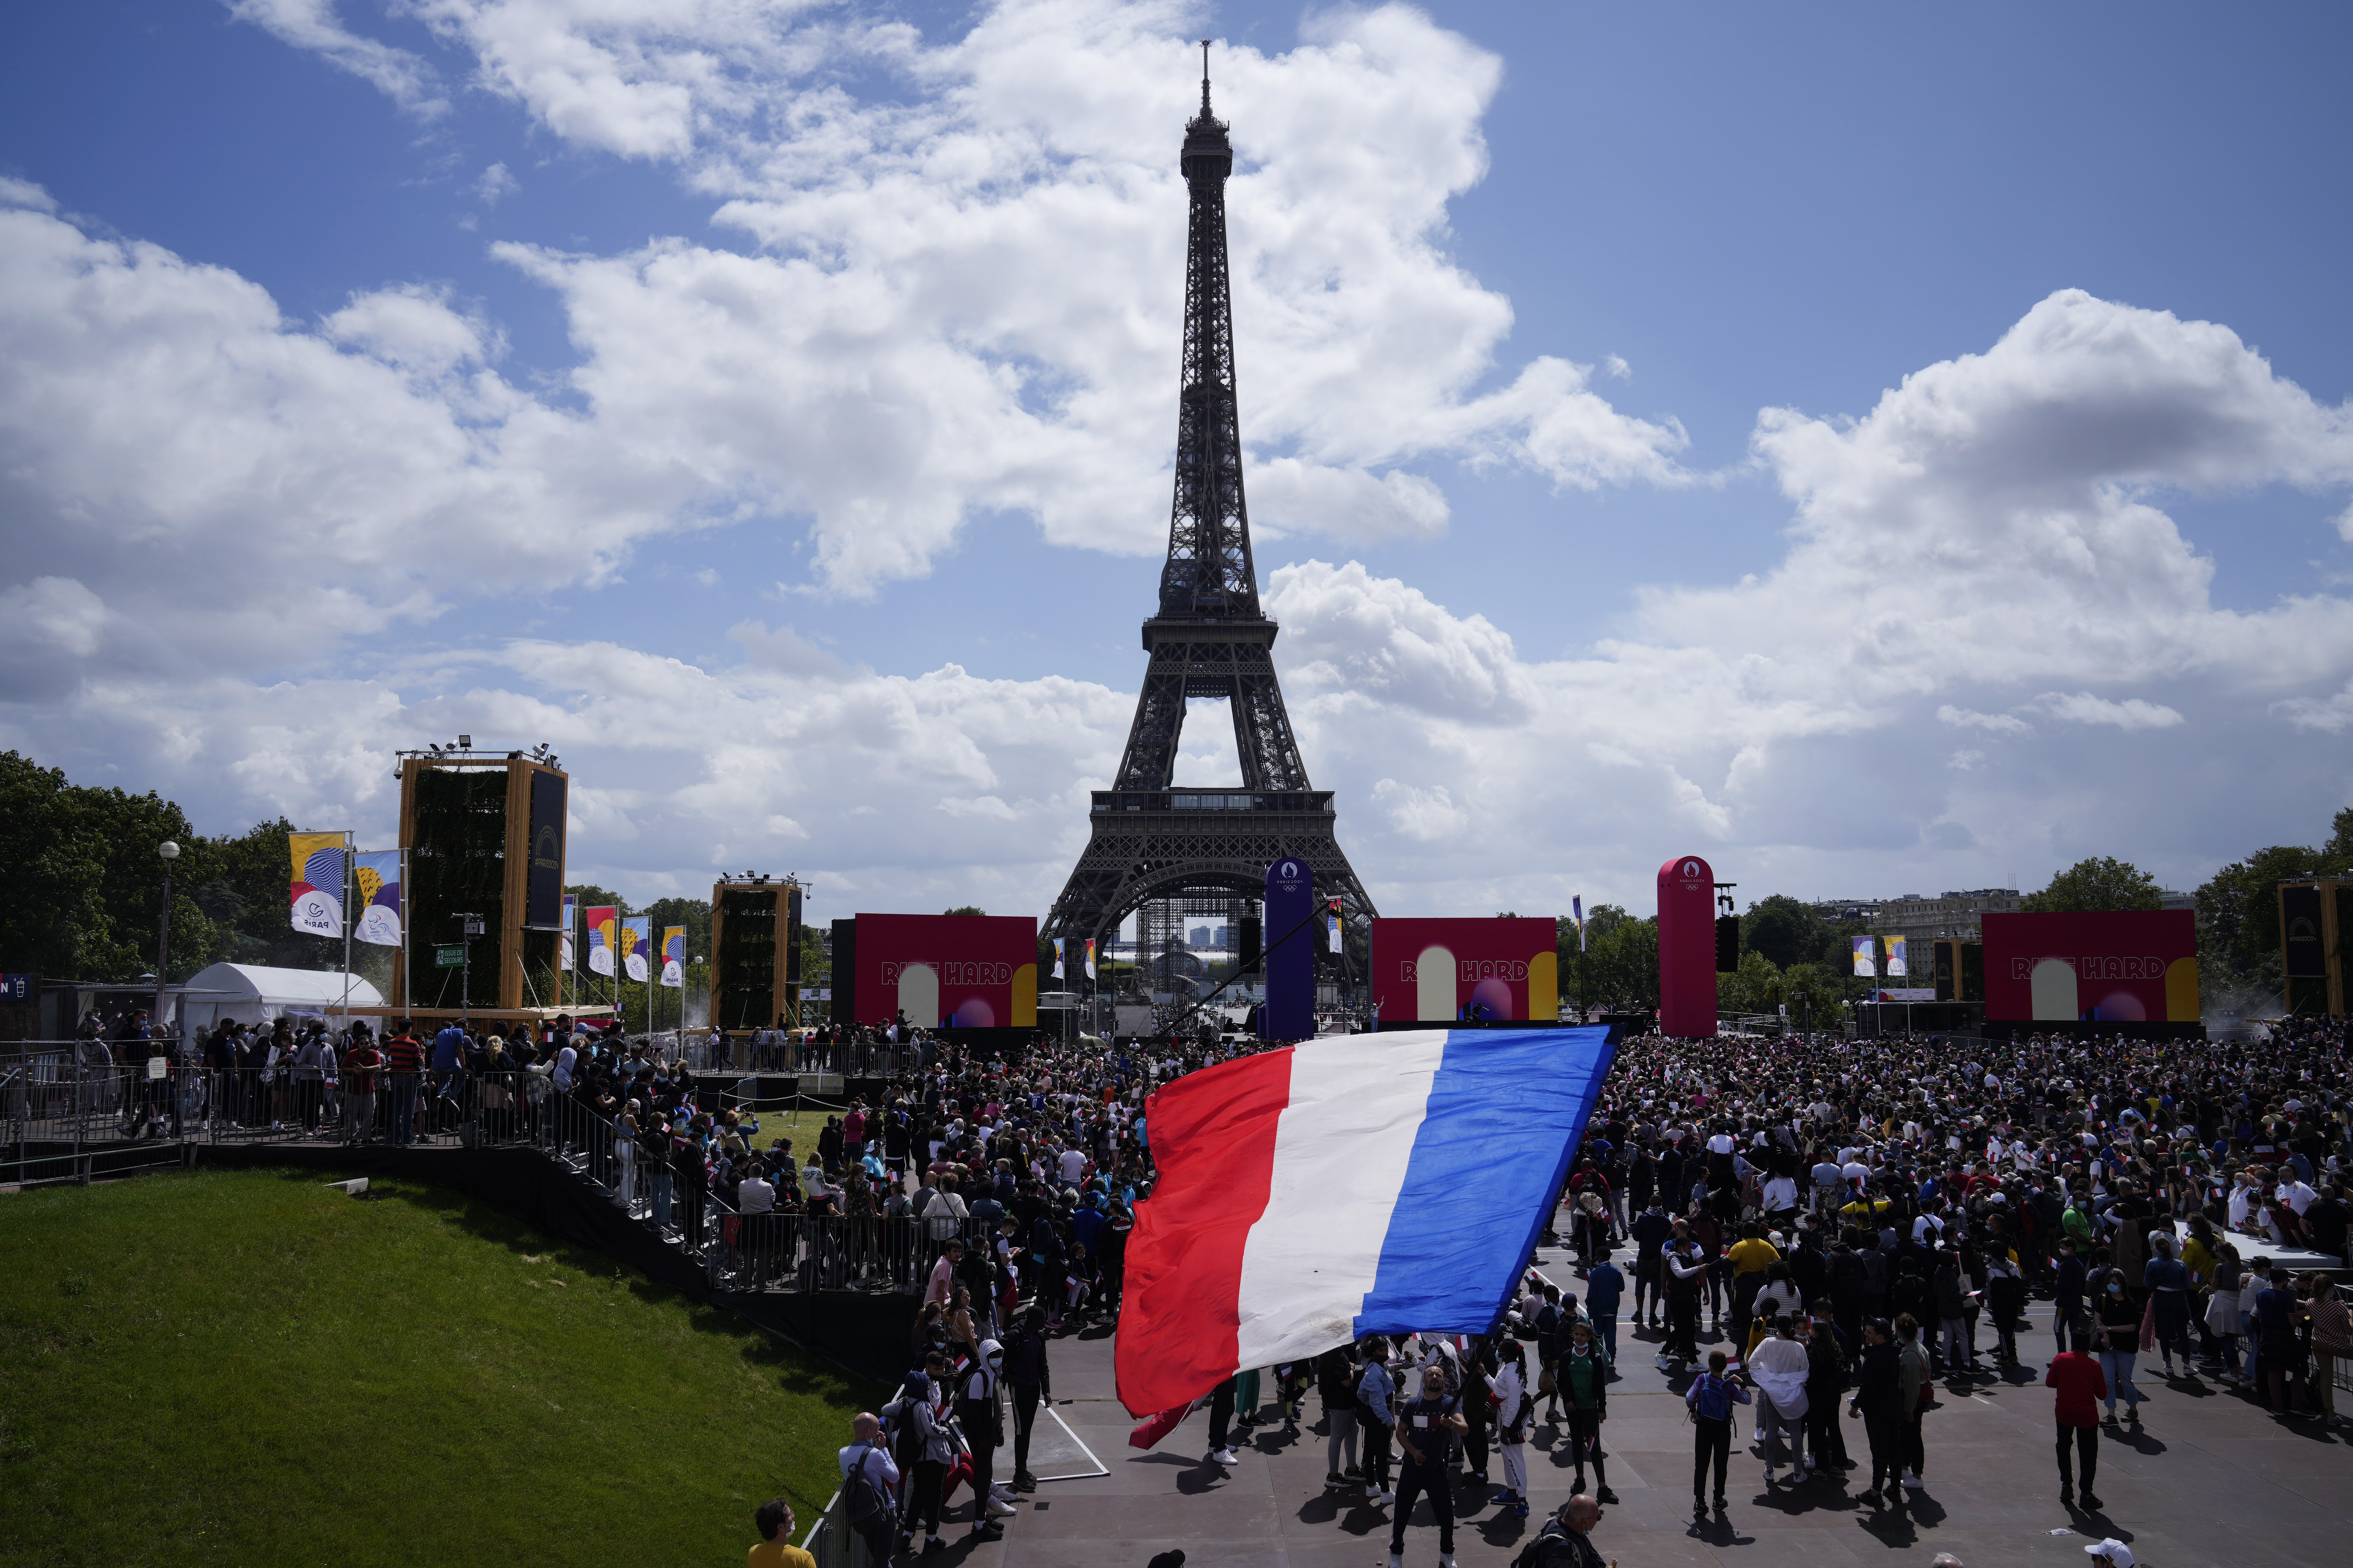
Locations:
(1208, 638)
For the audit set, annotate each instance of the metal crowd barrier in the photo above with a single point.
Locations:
(834, 1543)
(67, 1115)
(787, 1251)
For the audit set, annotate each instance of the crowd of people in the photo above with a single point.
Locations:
(1853, 1219)
(1803, 1229)
(1856, 1223)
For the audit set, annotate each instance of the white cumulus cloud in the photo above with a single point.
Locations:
(966, 295)
(1969, 719)
(2132, 713)
(313, 25)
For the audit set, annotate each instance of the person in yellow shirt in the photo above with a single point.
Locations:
(1866, 1212)
(2198, 1250)
(776, 1550)
(1747, 1259)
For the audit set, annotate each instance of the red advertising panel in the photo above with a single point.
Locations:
(2135, 966)
(1443, 971)
(1686, 948)
(948, 971)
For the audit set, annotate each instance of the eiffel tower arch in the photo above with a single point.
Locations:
(1151, 837)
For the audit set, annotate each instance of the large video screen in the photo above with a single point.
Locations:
(2135, 966)
(971, 972)
(1446, 971)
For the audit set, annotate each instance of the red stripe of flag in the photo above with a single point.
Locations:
(1212, 1137)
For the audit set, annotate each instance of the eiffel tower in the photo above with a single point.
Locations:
(1154, 839)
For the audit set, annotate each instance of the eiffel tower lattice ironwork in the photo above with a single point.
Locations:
(1152, 839)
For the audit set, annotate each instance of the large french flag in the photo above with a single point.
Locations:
(1355, 1185)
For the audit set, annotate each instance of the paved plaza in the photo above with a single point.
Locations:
(2211, 1478)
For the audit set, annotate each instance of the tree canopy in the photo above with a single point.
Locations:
(2098, 884)
(2238, 910)
(81, 886)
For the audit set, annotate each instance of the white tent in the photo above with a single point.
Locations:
(252, 994)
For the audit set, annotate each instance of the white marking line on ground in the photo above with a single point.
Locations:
(1100, 1469)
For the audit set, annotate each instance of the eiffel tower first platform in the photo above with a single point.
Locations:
(1153, 840)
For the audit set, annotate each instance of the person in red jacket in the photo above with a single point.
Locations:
(2081, 1386)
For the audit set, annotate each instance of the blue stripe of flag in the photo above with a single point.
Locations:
(1506, 1111)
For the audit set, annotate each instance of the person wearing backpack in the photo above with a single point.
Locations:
(1426, 1430)
(870, 1481)
(921, 1425)
(1566, 1540)
(984, 1429)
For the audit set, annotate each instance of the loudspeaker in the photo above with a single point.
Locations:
(1727, 943)
(1252, 937)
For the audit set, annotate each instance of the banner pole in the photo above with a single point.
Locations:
(347, 931)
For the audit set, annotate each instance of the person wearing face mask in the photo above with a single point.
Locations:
(2119, 1340)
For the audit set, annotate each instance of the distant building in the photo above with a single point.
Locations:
(1838, 912)
(1954, 916)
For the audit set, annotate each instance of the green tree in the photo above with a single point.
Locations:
(591, 896)
(2099, 883)
(1811, 992)
(2238, 910)
(966, 910)
(1622, 958)
(1785, 931)
(1755, 987)
(240, 880)
(81, 886)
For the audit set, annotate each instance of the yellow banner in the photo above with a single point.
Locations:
(306, 846)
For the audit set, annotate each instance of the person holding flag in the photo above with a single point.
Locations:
(1311, 1195)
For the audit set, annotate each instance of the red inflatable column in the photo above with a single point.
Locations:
(1686, 948)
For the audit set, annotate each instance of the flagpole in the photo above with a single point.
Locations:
(403, 928)
(347, 931)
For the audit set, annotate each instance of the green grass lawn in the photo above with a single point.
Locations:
(801, 1126)
(251, 1368)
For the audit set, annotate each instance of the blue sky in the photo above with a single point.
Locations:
(1535, 674)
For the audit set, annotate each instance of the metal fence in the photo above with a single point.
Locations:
(798, 1251)
(834, 1543)
(68, 1113)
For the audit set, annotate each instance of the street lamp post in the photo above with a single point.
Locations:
(470, 927)
(170, 852)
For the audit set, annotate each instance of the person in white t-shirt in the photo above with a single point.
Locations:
(755, 1203)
